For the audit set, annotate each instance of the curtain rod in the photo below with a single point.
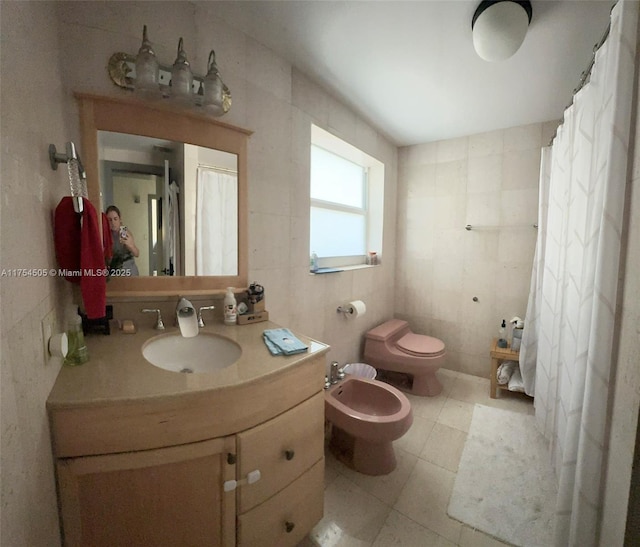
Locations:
(586, 74)
(584, 77)
(216, 168)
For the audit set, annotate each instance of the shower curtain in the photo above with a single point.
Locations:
(216, 223)
(567, 344)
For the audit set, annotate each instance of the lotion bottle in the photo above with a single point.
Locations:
(230, 307)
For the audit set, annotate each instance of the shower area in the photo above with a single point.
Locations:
(569, 356)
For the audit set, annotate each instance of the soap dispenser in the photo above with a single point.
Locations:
(502, 334)
(77, 352)
(230, 307)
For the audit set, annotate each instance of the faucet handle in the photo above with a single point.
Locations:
(159, 324)
(200, 321)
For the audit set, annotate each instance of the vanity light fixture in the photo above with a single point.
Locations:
(499, 28)
(143, 74)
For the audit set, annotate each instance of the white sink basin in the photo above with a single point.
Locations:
(203, 353)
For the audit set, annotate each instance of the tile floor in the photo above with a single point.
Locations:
(408, 507)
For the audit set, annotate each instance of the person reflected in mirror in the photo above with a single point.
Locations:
(124, 245)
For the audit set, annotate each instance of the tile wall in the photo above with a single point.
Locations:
(32, 118)
(489, 181)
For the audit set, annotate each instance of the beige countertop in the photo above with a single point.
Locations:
(117, 371)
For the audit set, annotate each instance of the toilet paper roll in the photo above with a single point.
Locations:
(354, 309)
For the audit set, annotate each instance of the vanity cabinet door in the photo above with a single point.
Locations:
(285, 519)
(282, 449)
(166, 497)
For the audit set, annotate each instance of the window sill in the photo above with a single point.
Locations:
(339, 269)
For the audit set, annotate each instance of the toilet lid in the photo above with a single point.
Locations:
(420, 344)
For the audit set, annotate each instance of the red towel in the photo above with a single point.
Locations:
(79, 251)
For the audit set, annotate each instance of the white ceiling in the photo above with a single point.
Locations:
(410, 67)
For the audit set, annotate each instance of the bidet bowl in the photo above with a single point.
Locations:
(367, 416)
(368, 409)
(204, 353)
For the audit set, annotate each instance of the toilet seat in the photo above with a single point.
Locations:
(420, 345)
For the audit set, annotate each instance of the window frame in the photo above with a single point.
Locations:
(334, 145)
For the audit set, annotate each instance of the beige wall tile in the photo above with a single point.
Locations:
(486, 144)
(485, 174)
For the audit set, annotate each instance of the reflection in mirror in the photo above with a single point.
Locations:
(178, 201)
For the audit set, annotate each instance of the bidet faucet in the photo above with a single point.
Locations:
(186, 317)
(336, 373)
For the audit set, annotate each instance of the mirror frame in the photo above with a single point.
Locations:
(165, 121)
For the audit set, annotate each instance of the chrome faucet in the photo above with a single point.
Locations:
(186, 318)
(336, 373)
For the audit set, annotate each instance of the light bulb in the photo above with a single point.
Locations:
(147, 72)
(181, 76)
(212, 99)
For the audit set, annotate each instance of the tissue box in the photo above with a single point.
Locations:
(247, 318)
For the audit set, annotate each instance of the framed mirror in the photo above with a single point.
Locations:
(178, 182)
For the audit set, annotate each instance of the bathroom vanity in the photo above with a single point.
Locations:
(146, 456)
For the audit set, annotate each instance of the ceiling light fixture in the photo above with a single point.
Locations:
(499, 27)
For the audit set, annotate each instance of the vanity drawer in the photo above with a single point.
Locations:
(286, 518)
(282, 449)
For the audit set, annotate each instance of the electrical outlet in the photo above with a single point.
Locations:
(48, 329)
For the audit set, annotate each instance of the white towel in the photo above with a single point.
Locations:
(515, 382)
(505, 370)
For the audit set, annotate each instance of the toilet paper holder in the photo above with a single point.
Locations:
(352, 309)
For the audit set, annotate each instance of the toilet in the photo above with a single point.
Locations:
(366, 417)
(407, 360)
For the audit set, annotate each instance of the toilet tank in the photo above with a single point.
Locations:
(394, 328)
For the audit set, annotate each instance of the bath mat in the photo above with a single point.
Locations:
(505, 485)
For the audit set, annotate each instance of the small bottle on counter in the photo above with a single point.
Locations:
(516, 340)
(230, 307)
(77, 353)
(313, 262)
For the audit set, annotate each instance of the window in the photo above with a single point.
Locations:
(346, 201)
